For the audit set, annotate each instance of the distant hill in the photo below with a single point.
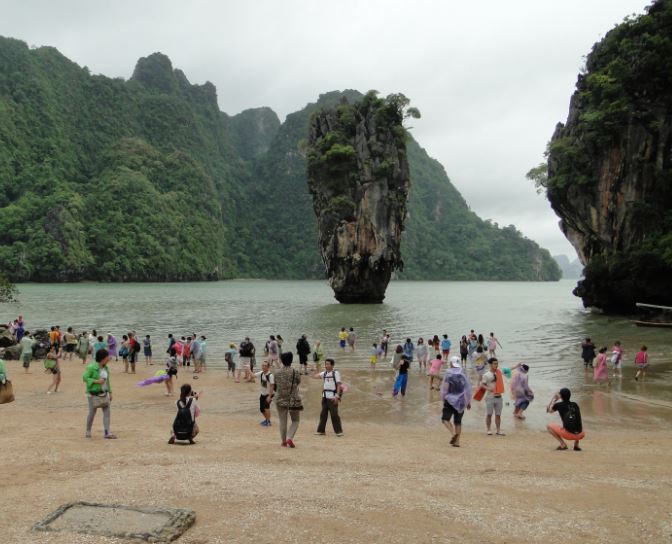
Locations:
(147, 180)
(570, 270)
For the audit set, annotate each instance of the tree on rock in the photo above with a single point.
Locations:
(7, 290)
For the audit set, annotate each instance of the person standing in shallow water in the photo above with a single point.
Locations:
(456, 395)
(587, 353)
(423, 354)
(384, 342)
(641, 362)
(342, 338)
(601, 372)
(352, 338)
(401, 381)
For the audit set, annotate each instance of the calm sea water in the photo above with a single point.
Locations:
(541, 324)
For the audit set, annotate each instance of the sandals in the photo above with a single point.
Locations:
(561, 448)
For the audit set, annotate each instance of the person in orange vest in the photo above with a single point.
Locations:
(493, 381)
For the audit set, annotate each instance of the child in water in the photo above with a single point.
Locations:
(601, 372)
(616, 357)
(373, 359)
(641, 362)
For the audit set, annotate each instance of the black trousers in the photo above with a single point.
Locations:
(329, 407)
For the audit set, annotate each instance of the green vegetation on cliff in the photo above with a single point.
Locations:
(609, 172)
(147, 179)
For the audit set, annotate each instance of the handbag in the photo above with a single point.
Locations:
(101, 401)
(295, 406)
(6, 392)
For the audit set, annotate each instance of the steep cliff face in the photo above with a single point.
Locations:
(359, 179)
(610, 166)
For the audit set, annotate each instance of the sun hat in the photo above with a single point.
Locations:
(455, 362)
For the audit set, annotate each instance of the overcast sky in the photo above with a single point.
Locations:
(491, 78)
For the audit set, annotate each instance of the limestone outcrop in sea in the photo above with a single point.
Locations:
(358, 176)
(610, 166)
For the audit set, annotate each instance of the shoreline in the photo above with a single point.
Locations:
(392, 479)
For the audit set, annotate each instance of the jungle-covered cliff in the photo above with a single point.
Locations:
(610, 165)
(146, 179)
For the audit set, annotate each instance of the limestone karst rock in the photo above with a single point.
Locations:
(610, 166)
(358, 176)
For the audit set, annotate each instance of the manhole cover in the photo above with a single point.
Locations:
(113, 520)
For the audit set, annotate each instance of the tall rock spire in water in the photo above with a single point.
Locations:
(359, 179)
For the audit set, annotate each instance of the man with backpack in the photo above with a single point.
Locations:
(267, 381)
(332, 392)
(570, 414)
(456, 395)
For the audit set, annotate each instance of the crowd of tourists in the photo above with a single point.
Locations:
(472, 374)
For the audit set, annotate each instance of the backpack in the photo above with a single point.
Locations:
(572, 420)
(455, 384)
(265, 383)
(183, 426)
(228, 358)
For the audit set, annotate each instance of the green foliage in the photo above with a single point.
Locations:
(8, 292)
(627, 82)
(146, 179)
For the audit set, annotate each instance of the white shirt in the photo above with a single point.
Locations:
(330, 383)
(268, 378)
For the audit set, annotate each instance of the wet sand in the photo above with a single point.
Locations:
(393, 477)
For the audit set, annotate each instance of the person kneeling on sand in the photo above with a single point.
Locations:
(184, 425)
(456, 395)
(572, 428)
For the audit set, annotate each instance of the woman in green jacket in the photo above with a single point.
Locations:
(318, 355)
(98, 391)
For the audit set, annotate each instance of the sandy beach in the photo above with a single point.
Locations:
(393, 477)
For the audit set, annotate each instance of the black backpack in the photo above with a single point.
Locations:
(572, 420)
(183, 426)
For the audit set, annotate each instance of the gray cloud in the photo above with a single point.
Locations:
(491, 78)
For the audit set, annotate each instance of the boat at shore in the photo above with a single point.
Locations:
(661, 309)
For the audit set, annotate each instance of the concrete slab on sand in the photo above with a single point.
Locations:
(112, 520)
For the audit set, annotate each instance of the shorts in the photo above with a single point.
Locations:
(373, 359)
(246, 362)
(55, 370)
(522, 405)
(70, 348)
(341, 343)
(303, 358)
(262, 403)
(232, 366)
(564, 433)
(642, 366)
(172, 372)
(445, 352)
(494, 404)
(148, 352)
(463, 356)
(26, 360)
(449, 411)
